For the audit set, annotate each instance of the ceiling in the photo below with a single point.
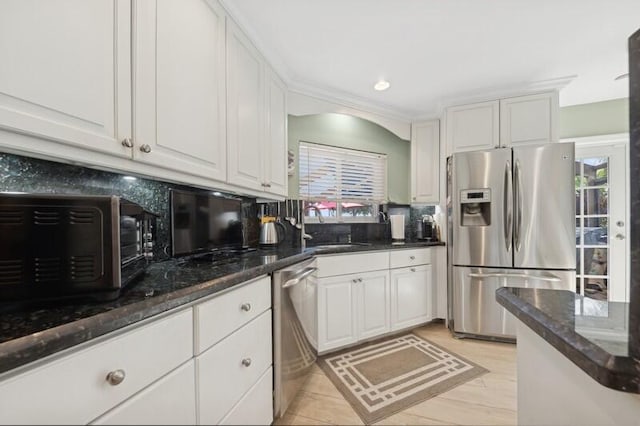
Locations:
(439, 52)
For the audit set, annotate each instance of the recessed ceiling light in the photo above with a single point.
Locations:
(382, 85)
(621, 76)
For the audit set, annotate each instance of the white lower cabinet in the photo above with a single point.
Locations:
(229, 369)
(352, 308)
(364, 304)
(256, 406)
(411, 296)
(169, 401)
(79, 387)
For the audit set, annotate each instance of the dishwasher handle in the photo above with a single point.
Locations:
(299, 276)
(506, 275)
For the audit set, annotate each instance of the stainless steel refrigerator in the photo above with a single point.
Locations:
(511, 217)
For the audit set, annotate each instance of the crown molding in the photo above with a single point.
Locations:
(493, 93)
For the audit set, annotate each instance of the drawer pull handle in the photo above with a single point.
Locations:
(413, 269)
(246, 307)
(412, 257)
(359, 280)
(116, 377)
(246, 362)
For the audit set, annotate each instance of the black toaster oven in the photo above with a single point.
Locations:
(61, 246)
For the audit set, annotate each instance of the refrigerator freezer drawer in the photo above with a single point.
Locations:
(475, 310)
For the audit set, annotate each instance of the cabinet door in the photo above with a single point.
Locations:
(529, 119)
(256, 406)
(473, 127)
(336, 312)
(245, 111)
(275, 157)
(180, 86)
(65, 73)
(411, 296)
(373, 292)
(425, 162)
(169, 401)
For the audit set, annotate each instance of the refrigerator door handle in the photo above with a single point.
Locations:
(507, 207)
(507, 275)
(517, 194)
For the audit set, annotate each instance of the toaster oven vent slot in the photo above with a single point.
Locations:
(11, 272)
(82, 268)
(11, 217)
(41, 217)
(47, 269)
(81, 217)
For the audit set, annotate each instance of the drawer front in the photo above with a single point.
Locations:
(229, 369)
(169, 401)
(222, 315)
(73, 389)
(256, 406)
(352, 263)
(410, 257)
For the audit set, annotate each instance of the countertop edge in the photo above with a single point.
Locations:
(37, 346)
(615, 372)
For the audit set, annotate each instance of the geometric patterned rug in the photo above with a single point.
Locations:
(383, 377)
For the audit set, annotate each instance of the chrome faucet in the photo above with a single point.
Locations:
(310, 206)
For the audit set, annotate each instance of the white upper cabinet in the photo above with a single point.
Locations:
(529, 119)
(425, 162)
(179, 86)
(503, 123)
(473, 127)
(275, 160)
(245, 111)
(65, 72)
(256, 119)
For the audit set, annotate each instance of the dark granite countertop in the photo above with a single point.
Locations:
(592, 334)
(28, 333)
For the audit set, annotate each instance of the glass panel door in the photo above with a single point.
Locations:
(600, 190)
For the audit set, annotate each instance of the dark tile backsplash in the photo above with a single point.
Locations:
(24, 174)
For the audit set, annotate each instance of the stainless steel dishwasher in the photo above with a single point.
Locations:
(294, 331)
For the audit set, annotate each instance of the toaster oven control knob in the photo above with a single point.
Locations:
(148, 236)
(146, 148)
(148, 244)
(115, 377)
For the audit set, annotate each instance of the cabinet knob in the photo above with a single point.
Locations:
(246, 307)
(355, 280)
(414, 198)
(246, 362)
(146, 148)
(359, 280)
(412, 257)
(115, 377)
(267, 185)
(619, 236)
(413, 269)
(127, 142)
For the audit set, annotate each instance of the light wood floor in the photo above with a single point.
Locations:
(487, 400)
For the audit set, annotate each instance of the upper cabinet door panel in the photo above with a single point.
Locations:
(529, 119)
(276, 166)
(180, 85)
(65, 71)
(425, 162)
(473, 127)
(245, 111)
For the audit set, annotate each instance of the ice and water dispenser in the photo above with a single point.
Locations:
(475, 205)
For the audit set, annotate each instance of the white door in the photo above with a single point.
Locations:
(179, 86)
(411, 296)
(373, 292)
(245, 111)
(65, 72)
(601, 222)
(337, 306)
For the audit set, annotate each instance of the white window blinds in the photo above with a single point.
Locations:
(329, 173)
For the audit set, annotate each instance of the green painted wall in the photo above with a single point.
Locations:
(347, 131)
(598, 118)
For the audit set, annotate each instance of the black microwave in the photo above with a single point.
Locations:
(60, 246)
